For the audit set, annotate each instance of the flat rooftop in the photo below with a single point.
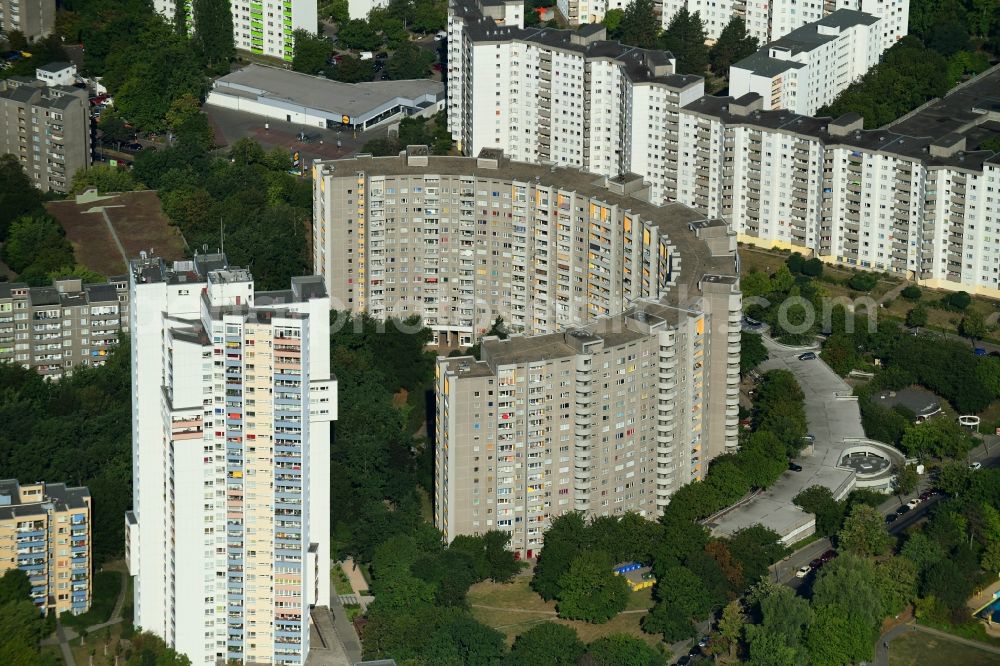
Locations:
(316, 92)
(60, 496)
(918, 400)
(970, 111)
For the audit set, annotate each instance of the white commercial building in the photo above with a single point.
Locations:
(807, 68)
(768, 20)
(263, 27)
(232, 403)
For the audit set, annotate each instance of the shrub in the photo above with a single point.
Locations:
(862, 282)
(912, 293)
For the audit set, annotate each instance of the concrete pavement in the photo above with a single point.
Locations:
(833, 416)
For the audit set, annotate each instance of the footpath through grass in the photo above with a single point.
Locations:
(513, 608)
(107, 586)
(920, 649)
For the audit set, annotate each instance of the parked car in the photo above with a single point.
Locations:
(803, 571)
(683, 661)
(976, 465)
(924, 496)
(817, 563)
(903, 509)
(795, 467)
(809, 439)
(913, 503)
(979, 351)
(828, 555)
(808, 356)
(133, 147)
(891, 518)
(703, 642)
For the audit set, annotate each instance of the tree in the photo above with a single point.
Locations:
(864, 532)
(911, 292)
(922, 551)
(731, 626)
(14, 586)
(429, 16)
(104, 179)
(622, 650)
(338, 11)
(685, 38)
(563, 541)
(36, 244)
(18, 196)
(916, 316)
(897, 578)
(819, 501)
(357, 34)
(590, 591)
(311, 53)
(973, 326)
(958, 300)
(613, 22)
(862, 282)
(732, 46)
(546, 643)
(350, 70)
(409, 62)
(941, 437)
(752, 351)
(213, 35)
(906, 481)
(639, 25)
(839, 353)
(953, 478)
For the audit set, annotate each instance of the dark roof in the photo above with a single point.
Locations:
(55, 66)
(59, 495)
(967, 110)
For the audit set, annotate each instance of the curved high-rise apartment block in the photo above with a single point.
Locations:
(620, 382)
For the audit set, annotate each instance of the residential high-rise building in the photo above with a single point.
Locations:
(916, 198)
(263, 27)
(47, 128)
(33, 18)
(45, 532)
(807, 68)
(232, 400)
(56, 329)
(571, 98)
(769, 20)
(778, 177)
(625, 406)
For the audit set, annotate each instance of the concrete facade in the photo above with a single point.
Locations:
(34, 18)
(228, 540)
(45, 530)
(560, 255)
(47, 129)
(56, 329)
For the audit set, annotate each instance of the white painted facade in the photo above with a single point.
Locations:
(358, 9)
(809, 67)
(768, 20)
(228, 540)
(263, 27)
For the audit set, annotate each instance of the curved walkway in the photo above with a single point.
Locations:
(885, 640)
(64, 635)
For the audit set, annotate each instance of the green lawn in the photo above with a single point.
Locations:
(107, 585)
(340, 581)
(515, 608)
(917, 649)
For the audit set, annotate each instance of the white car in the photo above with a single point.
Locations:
(976, 465)
(913, 503)
(803, 571)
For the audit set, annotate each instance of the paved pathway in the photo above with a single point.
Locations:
(64, 635)
(885, 640)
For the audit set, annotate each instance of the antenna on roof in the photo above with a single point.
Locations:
(222, 237)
